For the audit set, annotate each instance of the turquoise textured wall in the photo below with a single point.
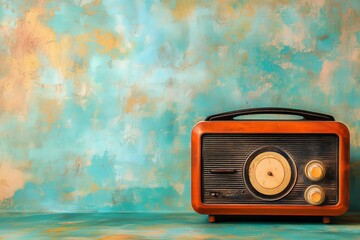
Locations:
(98, 98)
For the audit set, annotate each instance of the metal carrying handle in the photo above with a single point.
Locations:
(307, 115)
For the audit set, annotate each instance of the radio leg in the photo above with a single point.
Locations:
(212, 218)
(326, 220)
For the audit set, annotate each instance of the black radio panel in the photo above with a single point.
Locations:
(224, 174)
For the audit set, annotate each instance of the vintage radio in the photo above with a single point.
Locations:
(270, 167)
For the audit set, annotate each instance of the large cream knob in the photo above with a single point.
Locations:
(314, 195)
(315, 170)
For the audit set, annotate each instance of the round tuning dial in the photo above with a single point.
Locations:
(314, 195)
(315, 170)
(269, 173)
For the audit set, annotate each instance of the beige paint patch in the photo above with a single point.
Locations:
(183, 9)
(88, 5)
(6, 203)
(227, 13)
(355, 56)
(84, 187)
(292, 36)
(94, 187)
(287, 65)
(76, 195)
(129, 176)
(131, 134)
(177, 147)
(11, 180)
(223, 51)
(59, 53)
(349, 46)
(354, 136)
(238, 32)
(325, 75)
(135, 100)
(151, 175)
(179, 187)
(132, 102)
(357, 113)
(261, 90)
(151, 142)
(310, 8)
(107, 40)
(108, 43)
(51, 110)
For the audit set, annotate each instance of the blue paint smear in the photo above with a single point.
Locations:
(309, 61)
(67, 19)
(290, 16)
(72, 19)
(328, 42)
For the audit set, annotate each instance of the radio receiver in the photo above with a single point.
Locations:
(270, 167)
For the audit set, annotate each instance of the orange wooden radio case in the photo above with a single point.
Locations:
(270, 167)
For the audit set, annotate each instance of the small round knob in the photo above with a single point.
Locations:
(315, 170)
(314, 195)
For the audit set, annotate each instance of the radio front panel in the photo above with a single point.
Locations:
(227, 160)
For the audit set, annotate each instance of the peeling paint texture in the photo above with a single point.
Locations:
(98, 98)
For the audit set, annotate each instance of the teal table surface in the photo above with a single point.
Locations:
(170, 226)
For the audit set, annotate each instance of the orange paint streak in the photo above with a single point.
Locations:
(26, 42)
(11, 180)
(23, 64)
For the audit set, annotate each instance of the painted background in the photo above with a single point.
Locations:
(98, 98)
